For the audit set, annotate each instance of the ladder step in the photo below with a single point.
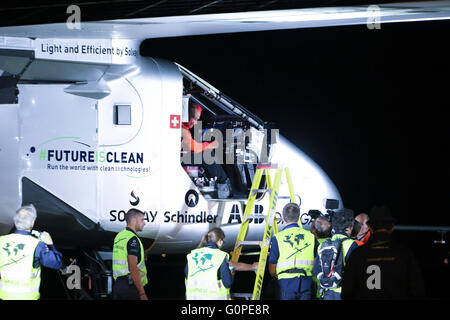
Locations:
(257, 253)
(246, 296)
(273, 188)
(249, 243)
(261, 191)
(255, 216)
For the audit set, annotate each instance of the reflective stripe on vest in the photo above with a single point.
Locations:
(202, 282)
(120, 256)
(346, 244)
(19, 279)
(296, 246)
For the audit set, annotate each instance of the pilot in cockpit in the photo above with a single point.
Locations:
(189, 145)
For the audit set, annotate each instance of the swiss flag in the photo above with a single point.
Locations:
(175, 122)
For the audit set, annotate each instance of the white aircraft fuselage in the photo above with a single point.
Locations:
(95, 130)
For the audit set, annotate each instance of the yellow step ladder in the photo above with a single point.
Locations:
(262, 169)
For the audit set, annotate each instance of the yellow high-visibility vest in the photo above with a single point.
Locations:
(202, 282)
(296, 246)
(120, 256)
(19, 279)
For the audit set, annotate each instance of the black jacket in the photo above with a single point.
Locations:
(382, 270)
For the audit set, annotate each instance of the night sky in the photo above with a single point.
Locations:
(366, 105)
(369, 106)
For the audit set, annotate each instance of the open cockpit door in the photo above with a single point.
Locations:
(244, 140)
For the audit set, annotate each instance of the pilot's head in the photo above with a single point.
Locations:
(195, 112)
(25, 217)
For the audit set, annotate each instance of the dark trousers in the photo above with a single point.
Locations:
(216, 170)
(213, 170)
(124, 289)
(331, 295)
(302, 292)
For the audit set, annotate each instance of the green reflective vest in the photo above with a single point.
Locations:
(296, 246)
(202, 282)
(346, 244)
(19, 279)
(120, 256)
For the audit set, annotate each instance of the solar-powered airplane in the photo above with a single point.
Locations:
(90, 128)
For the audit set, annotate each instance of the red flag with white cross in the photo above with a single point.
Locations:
(175, 121)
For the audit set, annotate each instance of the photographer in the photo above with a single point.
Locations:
(321, 228)
(342, 224)
(21, 257)
(381, 269)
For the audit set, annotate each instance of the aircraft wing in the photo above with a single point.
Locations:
(201, 24)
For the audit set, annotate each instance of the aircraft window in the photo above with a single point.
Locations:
(236, 159)
(122, 114)
(235, 165)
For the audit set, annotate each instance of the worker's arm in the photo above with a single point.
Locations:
(46, 253)
(273, 270)
(274, 254)
(350, 250)
(193, 146)
(241, 266)
(135, 275)
(225, 274)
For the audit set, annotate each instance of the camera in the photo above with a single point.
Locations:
(314, 214)
(36, 234)
(330, 205)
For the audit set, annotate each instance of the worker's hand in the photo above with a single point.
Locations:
(214, 144)
(147, 251)
(143, 297)
(255, 266)
(45, 237)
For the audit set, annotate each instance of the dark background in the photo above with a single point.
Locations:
(369, 106)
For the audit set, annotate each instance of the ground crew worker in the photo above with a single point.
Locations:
(321, 228)
(21, 257)
(291, 257)
(382, 269)
(208, 276)
(129, 270)
(342, 224)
